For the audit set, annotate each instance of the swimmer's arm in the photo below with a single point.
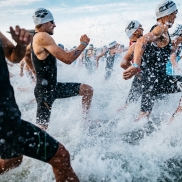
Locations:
(47, 42)
(173, 60)
(126, 61)
(148, 38)
(99, 56)
(8, 47)
(176, 42)
(140, 45)
(27, 58)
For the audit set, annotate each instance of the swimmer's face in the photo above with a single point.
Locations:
(139, 31)
(171, 18)
(112, 48)
(49, 27)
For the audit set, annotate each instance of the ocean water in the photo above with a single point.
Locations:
(111, 147)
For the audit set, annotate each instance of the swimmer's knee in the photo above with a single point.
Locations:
(86, 90)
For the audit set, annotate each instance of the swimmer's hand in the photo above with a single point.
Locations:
(21, 36)
(85, 39)
(130, 72)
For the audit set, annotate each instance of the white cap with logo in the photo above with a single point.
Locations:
(41, 16)
(165, 8)
(112, 44)
(131, 27)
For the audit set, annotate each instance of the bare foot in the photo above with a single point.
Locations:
(142, 115)
(176, 113)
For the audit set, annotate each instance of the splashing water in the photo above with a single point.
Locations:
(111, 147)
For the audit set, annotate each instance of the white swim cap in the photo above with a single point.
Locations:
(131, 27)
(112, 44)
(177, 32)
(41, 16)
(61, 45)
(91, 46)
(165, 8)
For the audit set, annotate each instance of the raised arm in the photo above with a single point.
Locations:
(22, 38)
(141, 43)
(48, 43)
(99, 56)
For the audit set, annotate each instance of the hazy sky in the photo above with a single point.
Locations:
(102, 20)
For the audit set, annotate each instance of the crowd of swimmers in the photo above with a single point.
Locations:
(148, 59)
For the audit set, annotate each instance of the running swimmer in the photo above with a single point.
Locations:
(175, 56)
(172, 64)
(44, 54)
(151, 54)
(134, 31)
(89, 59)
(19, 137)
(110, 57)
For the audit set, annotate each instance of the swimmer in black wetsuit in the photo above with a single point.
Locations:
(151, 54)
(176, 55)
(44, 54)
(19, 137)
(110, 57)
(88, 58)
(134, 30)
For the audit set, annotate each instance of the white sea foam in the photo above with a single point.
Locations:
(102, 150)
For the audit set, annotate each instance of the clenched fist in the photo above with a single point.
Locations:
(85, 39)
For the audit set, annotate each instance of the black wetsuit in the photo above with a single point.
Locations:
(109, 64)
(47, 88)
(19, 137)
(136, 87)
(89, 63)
(135, 90)
(154, 78)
